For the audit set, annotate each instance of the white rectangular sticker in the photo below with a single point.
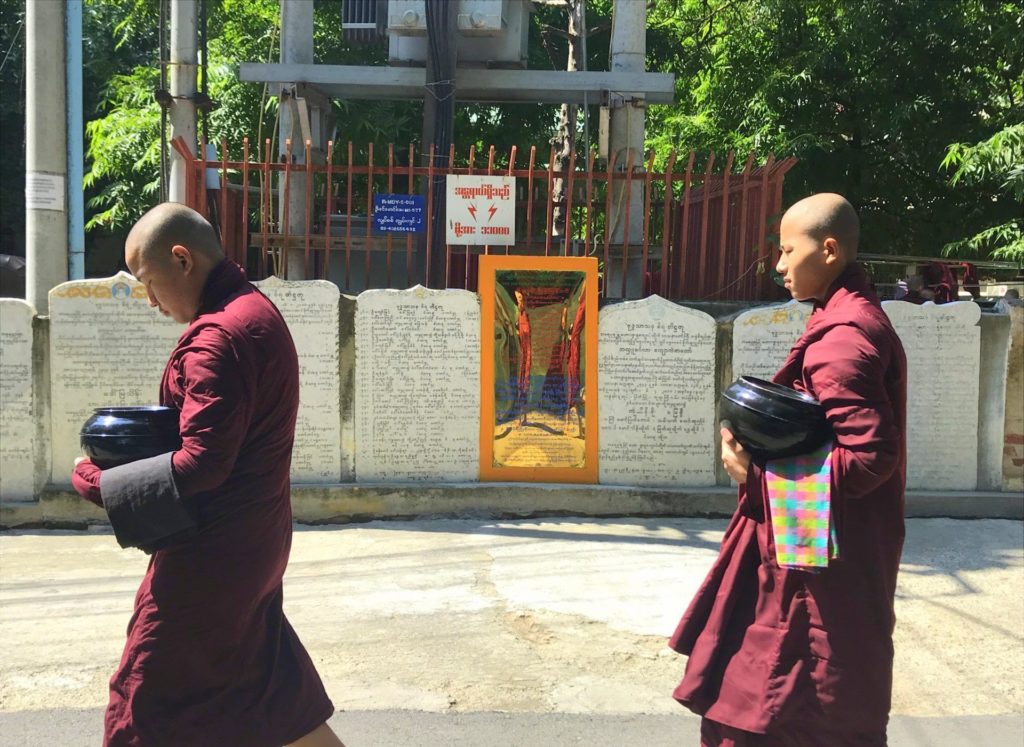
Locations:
(44, 191)
(481, 210)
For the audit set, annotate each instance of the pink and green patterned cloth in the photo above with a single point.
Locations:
(800, 503)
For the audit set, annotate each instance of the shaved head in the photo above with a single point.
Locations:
(828, 215)
(170, 224)
(172, 250)
(818, 238)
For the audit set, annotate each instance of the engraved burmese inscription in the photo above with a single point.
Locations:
(107, 347)
(943, 347)
(656, 363)
(17, 425)
(762, 338)
(417, 385)
(311, 310)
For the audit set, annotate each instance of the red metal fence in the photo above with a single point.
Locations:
(705, 235)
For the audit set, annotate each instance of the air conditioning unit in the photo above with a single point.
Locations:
(490, 32)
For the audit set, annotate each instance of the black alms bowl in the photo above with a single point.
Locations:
(773, 421)
(118, 435)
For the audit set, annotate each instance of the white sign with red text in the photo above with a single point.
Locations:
(481, 210)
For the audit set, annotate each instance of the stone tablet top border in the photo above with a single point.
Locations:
(966, 311)
(420, 292)
(273, 281)
(773, 313)
(97, 287)
(12, 303)
(658, 307)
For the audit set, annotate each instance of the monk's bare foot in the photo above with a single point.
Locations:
(321, 736)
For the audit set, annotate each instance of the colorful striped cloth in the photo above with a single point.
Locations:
(800, 503)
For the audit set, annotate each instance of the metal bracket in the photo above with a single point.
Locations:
(616, 100)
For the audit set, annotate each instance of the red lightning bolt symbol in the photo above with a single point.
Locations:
(492, 210)
(472, 210)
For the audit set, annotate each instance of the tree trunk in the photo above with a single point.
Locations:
(565, 140)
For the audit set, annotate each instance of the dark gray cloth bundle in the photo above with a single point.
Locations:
(143, 504)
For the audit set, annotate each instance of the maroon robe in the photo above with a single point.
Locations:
(575, 340)
(210, 657)
(787, 652)
(524, 374)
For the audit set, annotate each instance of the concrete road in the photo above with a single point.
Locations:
(388, 728)
(521, 632)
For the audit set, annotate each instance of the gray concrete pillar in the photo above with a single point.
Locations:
(296, 48)
(182, 114)
(626, 136)
(46, 218)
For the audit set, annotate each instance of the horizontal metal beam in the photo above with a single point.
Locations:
(907, 259)
(471, 84)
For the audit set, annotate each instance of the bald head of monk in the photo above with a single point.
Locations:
(818, 238)
(171, 250)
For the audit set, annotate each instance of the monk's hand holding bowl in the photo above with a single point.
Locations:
(735, 458)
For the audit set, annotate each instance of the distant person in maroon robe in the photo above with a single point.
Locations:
(916, 292)
(941, 281)
(210, 658)
(523, 380)
(574, 386)
(790, 658)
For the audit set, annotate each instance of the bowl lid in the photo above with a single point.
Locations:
(136, 410)
(778, 390)
(136, 420)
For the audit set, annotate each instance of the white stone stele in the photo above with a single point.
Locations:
(107, 347)
(943, 347)
(417, 386)
(311, 309)
(656, 394)
(17, 422)
(762, 338)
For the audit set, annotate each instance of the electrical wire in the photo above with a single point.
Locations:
(746, 272)
(10, 49)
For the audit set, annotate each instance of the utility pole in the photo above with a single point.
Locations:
(439, 122)
(296, 48)
(565, 139)
(46, 218)
(626, 135)
(184, 64)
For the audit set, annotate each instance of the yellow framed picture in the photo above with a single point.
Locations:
(538, 379)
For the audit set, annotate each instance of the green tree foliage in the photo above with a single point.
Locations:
(999, 163)
(867, 93)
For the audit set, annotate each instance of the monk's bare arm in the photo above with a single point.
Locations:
(846, 371)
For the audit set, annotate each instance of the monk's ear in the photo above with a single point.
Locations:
(832, 251)
(181, 256)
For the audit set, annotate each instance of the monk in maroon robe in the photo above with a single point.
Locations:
(523, 376)
(210, 657)
(785, 657)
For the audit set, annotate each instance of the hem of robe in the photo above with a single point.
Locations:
(314, 724)
(123, 735)
(813, 733)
